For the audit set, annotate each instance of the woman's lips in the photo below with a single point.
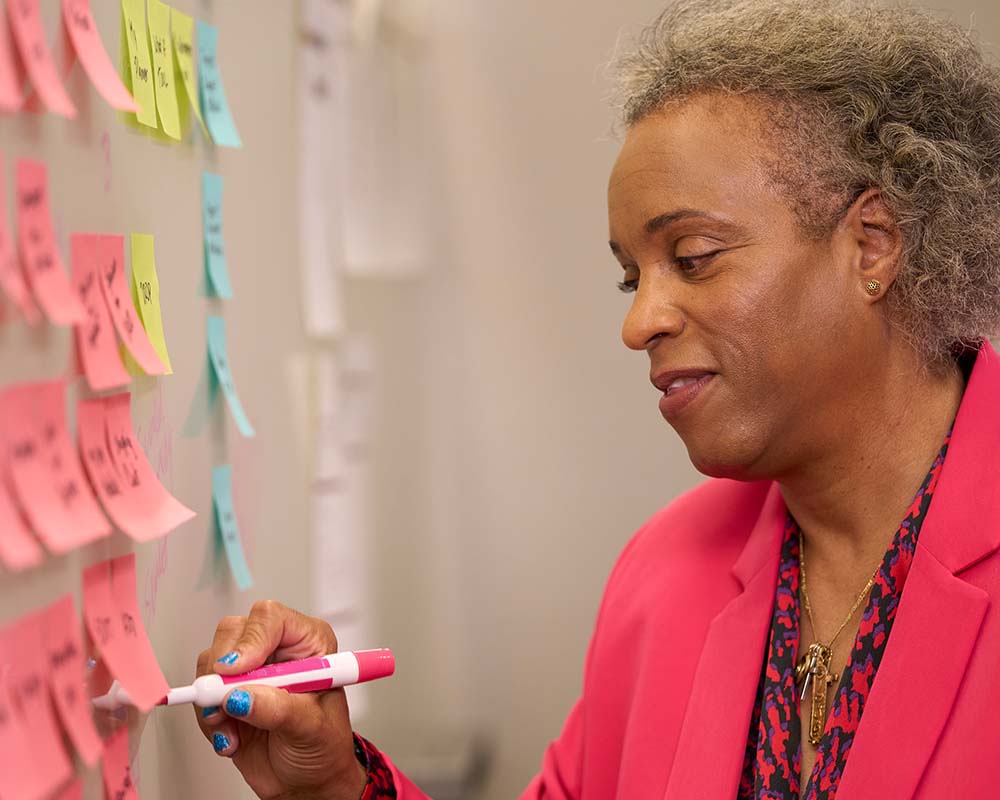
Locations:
(681, 391)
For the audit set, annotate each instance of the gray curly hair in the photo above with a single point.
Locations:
(862, 96)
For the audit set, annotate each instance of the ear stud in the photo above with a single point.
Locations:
(873, 287)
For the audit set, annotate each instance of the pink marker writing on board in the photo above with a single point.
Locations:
(314, 674)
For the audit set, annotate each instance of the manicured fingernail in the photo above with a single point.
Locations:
(238, 703)
(220, 742)
(229, 658)
(209, 710)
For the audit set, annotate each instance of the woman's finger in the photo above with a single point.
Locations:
(271, 627)
(227, 634)
(297, 717)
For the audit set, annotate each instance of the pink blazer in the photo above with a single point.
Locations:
(670, 680)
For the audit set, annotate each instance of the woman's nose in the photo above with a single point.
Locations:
(652, 315)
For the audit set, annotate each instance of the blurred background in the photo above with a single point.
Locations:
(452, 444)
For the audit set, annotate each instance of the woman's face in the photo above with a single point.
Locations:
(728, 288)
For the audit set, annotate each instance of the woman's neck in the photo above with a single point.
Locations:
(849, 500)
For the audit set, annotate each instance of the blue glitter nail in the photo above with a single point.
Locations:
(238, 704)
(220, 742)
(209, 710)
(229, 658)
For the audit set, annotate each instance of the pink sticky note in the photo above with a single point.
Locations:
(26, 23)
(63, 645)
(83, 33)
(11, 276)
(111, 268)
(11, 70)
(18, 548)
(20, 775)
(73, 791)
(126, 484)
(118, 783)
(96, 343)
(37, 241)
(45, 470)
(111, 612)
(28, 684)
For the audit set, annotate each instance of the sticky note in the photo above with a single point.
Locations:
(227, 528)
(125, 482)
(146, 291)
(21, 775)
(37, 242)
(11, 276)
(78, 22)
(45, 470)
(215, 248)
(111, 613)
(212, 94)
(73, 791)
(26, 666)
(138, 69)
(29, 33)
(111, 268)
(62, 644)
(182, 33)
(220, 365)
(18, 548)
(115, 769)
(158, 18)
(96, 342)
(11, 70)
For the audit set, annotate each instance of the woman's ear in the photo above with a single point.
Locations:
(877, 239)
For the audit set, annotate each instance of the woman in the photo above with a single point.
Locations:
(807, 208)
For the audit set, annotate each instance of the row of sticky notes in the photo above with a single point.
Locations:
(44, 687)
(56, 491)
(158, 56)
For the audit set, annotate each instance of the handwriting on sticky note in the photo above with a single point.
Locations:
(44, 468)
(127, 485)
(215, 248)
(95, 338)
(11, 277)
(115, 769)
(111, 268)
(163, 67)
(146, 288)
(220, 364)
(112, 617)
(37, 242)
(214, 105)
(227, 527)
(138, 74)
(28, 676)
(21, 775)
(182, 33)
(63, 647)
(81, 30)
(29, 33)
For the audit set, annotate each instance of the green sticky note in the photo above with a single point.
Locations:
(138, 69)
(163, 68)
(146, 293)
(214, 105)
(182, 32)
(227, 528)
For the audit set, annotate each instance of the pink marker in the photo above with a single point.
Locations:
(307, 675)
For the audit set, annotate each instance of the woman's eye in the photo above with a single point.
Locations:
(628, 285)
(691, 264)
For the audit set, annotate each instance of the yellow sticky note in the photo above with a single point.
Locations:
(135, 49)
(163, 67)
(146, 289)
(182, 32)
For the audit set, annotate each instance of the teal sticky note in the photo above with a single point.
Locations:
(204, 398)
(215, 248)
(220, 364)
(211, 93)
(227, 527)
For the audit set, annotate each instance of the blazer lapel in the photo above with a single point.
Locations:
(716, 723)
(940, 614)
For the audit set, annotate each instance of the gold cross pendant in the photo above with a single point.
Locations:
(814, 669)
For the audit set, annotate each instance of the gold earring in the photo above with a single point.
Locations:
(873, 287)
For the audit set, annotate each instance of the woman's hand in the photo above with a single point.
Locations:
(285, 745)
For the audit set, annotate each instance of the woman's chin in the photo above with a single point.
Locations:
(739, 463)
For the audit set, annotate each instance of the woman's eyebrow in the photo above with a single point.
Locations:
(661, 221)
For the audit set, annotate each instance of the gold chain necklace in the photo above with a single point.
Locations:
(814, 666)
